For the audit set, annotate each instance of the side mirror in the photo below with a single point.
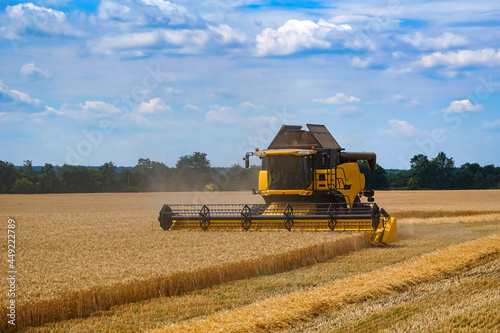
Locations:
(247, 160)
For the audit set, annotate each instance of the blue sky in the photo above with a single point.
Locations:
(88, 82)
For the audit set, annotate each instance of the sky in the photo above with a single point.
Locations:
(89, 82)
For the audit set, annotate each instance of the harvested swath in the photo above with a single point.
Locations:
(282, 312)
(468, 301)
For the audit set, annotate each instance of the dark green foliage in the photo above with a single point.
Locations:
(194, 173)
(375, 179)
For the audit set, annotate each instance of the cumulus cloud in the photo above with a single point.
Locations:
(16, 95)
(462, 106)
(339, 98)
(28, 19)
(298, 35)
(30, 70)
(155, 105)
(445, 41)
(173, 40)
(401, 128)
(147, 109)
(463, 58)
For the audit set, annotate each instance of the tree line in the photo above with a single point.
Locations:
(438, 173)
(195, 173)
(191, 173)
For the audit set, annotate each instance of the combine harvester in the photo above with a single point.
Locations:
(308, 182)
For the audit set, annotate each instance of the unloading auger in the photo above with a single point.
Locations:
(308, 182)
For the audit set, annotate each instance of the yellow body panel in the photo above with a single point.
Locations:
(262, 181)
(350, 181)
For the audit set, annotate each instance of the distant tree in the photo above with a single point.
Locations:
(23, 186)
(401, 179)
(443, 169)
(142, 173)
(159, 177)
(193, 172)
(8, 176)
(108, 177)
(28, 172)
(238, 178)
(47, 180)
(127, 181)
(377, 179)
(422, 172)
(77, 179)
(196, 160)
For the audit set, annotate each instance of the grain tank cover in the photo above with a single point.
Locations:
(294, 137)
(324, 137)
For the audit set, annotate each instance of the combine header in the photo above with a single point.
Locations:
(308, 182)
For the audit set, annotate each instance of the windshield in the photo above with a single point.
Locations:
(289, 172)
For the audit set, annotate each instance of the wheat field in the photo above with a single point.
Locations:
(86, 254)
(281, 312)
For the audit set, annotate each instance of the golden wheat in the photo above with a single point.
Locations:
(82, 252)
(469, 301)
(74, 263)
(281, 312)
(157, 312)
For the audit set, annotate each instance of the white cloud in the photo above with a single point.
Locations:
(350, 18)
(30, 70)
(172, 40)
(339, 98)
(172, 91)
(221, 115)
(191, 107)
(29, 19)
(298, 35)
(100, 109)
(412, 103)
(491, 124)
(401, 128)
(445, 41)
(17, 95)
(248, 105)
(145, 13)
(84, 111)
(109, 10)
(48, 111)
(146, 109)
(456, 59)
(462, 106)
(357, 62)
(155, 105)
(226, 35)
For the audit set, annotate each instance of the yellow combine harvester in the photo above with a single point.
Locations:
(308, 182)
